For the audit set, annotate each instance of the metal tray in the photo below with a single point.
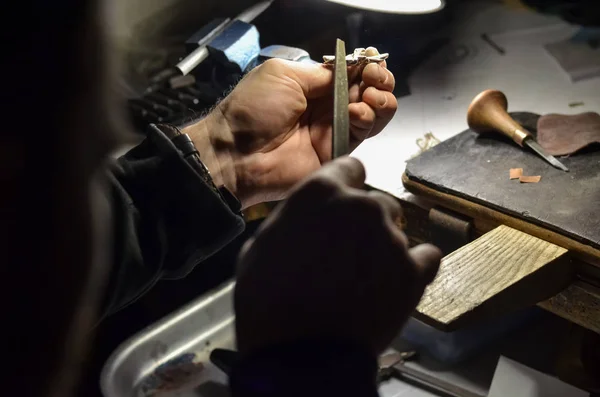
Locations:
(171, 357)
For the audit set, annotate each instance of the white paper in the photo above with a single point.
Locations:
(517, 380)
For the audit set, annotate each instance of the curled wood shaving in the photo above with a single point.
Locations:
(425, 143)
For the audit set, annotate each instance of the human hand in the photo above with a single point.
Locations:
(275, 127)
(330, 263)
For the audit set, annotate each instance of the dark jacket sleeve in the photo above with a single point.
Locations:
(166, 219)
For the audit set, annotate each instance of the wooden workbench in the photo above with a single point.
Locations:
(521, 244)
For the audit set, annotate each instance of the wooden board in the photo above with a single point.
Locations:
(579, 303)
(476, 168)
(486, 218)
(501, 271)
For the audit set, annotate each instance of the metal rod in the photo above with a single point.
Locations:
(189, 63)
(426, 381)
(550, 159)
(493, 44)
(341, 119)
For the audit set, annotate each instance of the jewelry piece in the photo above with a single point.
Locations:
(358, 57)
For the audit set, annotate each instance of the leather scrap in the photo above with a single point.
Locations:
(562, 135)
(530, 179)
(516, 173)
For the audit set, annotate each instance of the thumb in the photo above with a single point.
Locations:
(347, 170)
(316, 80)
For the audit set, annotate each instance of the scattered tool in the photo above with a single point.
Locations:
(341, 118)
(485, 37)
(488, 113)
(387, 362)
(393, 365)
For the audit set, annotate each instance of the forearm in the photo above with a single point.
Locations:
(232, 163)
(214, 142)
(166, 219)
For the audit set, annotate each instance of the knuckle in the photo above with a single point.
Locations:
(392, 102)
(386, 198)
(373, 208)
(273, 64)
(350, 167)
(322, 185)
(316, 189)
(365, 208)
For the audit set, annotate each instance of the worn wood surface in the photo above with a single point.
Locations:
(501, 271)
(485, 215)
(578, 303)
(474, 167)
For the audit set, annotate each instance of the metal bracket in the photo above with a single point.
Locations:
(449, 230)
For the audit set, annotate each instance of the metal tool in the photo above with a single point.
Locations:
(431, 383)
(387, 362)
(485, 37)
(341, 118)
(488, 113)
(188, 64)
(285, 52)
(191, 332)
(237, 47)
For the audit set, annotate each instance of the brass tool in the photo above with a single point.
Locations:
(341, 118)
(488, 113)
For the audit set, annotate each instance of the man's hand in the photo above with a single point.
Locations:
(330, 263)
(275, 127)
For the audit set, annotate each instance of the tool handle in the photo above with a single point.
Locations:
(488, 113)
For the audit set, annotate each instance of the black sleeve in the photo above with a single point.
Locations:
(166, 219)
(307, 368)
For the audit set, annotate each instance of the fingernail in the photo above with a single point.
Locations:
(383, 76)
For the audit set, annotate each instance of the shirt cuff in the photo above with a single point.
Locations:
(195, 221)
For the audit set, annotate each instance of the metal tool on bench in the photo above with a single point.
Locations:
(229, 33)
(393, 365)
(488, 113)
(232, 48)
(341, 118)
(285, 52)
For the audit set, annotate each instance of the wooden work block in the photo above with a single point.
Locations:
(579, 303)
(503, 270)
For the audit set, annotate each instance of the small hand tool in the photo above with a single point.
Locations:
(341, 118)
(393, 365)
(488, 113)
(387, 362)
